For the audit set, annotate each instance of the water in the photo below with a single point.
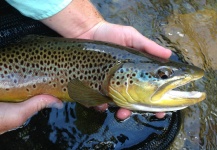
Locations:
(77, 127)
(188, 28)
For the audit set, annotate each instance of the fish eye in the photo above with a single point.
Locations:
(164, 72)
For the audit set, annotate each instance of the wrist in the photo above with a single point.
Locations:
(75, 20)
(91, 33)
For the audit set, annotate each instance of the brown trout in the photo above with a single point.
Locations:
(92, 73)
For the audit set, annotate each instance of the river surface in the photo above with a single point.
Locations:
(189, 29)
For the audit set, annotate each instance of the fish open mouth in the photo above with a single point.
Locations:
(176, 100)
(172, 99)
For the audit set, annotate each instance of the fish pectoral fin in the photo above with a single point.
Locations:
(85, 95)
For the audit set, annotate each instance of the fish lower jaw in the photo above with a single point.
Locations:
(183, 96)
(140, 107)
(171, 101)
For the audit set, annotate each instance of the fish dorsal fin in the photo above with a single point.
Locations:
(85, 95)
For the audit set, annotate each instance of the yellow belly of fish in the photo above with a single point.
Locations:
(23, 93)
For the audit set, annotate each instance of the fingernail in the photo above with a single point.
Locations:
(169, 52)
(55, 105)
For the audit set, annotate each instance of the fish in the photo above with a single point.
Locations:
(101, 126)
(94, 72)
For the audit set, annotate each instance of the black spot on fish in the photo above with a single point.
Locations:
(62, 81)
(16, 60)
(5, 65)
(142, 74)
(94, 78)
(54, 85)
(17, 53)
(15, 81)
(96, 85)
(17, 67)
(11, 60)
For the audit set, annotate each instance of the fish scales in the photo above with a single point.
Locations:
(46, 65)
(43, 67)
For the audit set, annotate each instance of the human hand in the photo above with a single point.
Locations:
(126, 36)
(13, 115)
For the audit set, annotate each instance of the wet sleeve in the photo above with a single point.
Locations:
(39, 9)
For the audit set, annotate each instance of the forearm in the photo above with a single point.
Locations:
(78, 17)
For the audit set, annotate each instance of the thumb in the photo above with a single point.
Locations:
(13, 115)
(37, 103)
(138, 41)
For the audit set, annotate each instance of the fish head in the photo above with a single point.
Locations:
(148, 86)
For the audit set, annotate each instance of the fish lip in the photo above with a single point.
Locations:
(173, 95)
(140, 107)
(185, 95)
(162, 88)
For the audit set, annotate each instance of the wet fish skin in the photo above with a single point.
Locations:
(43, 65)
(46, 65)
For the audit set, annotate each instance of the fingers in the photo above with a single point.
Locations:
(13, 115)
(126, 36)
(136, 40)
(153, 48)
(160, 115)
(123, 113)
(37, 103)
(102, 107)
